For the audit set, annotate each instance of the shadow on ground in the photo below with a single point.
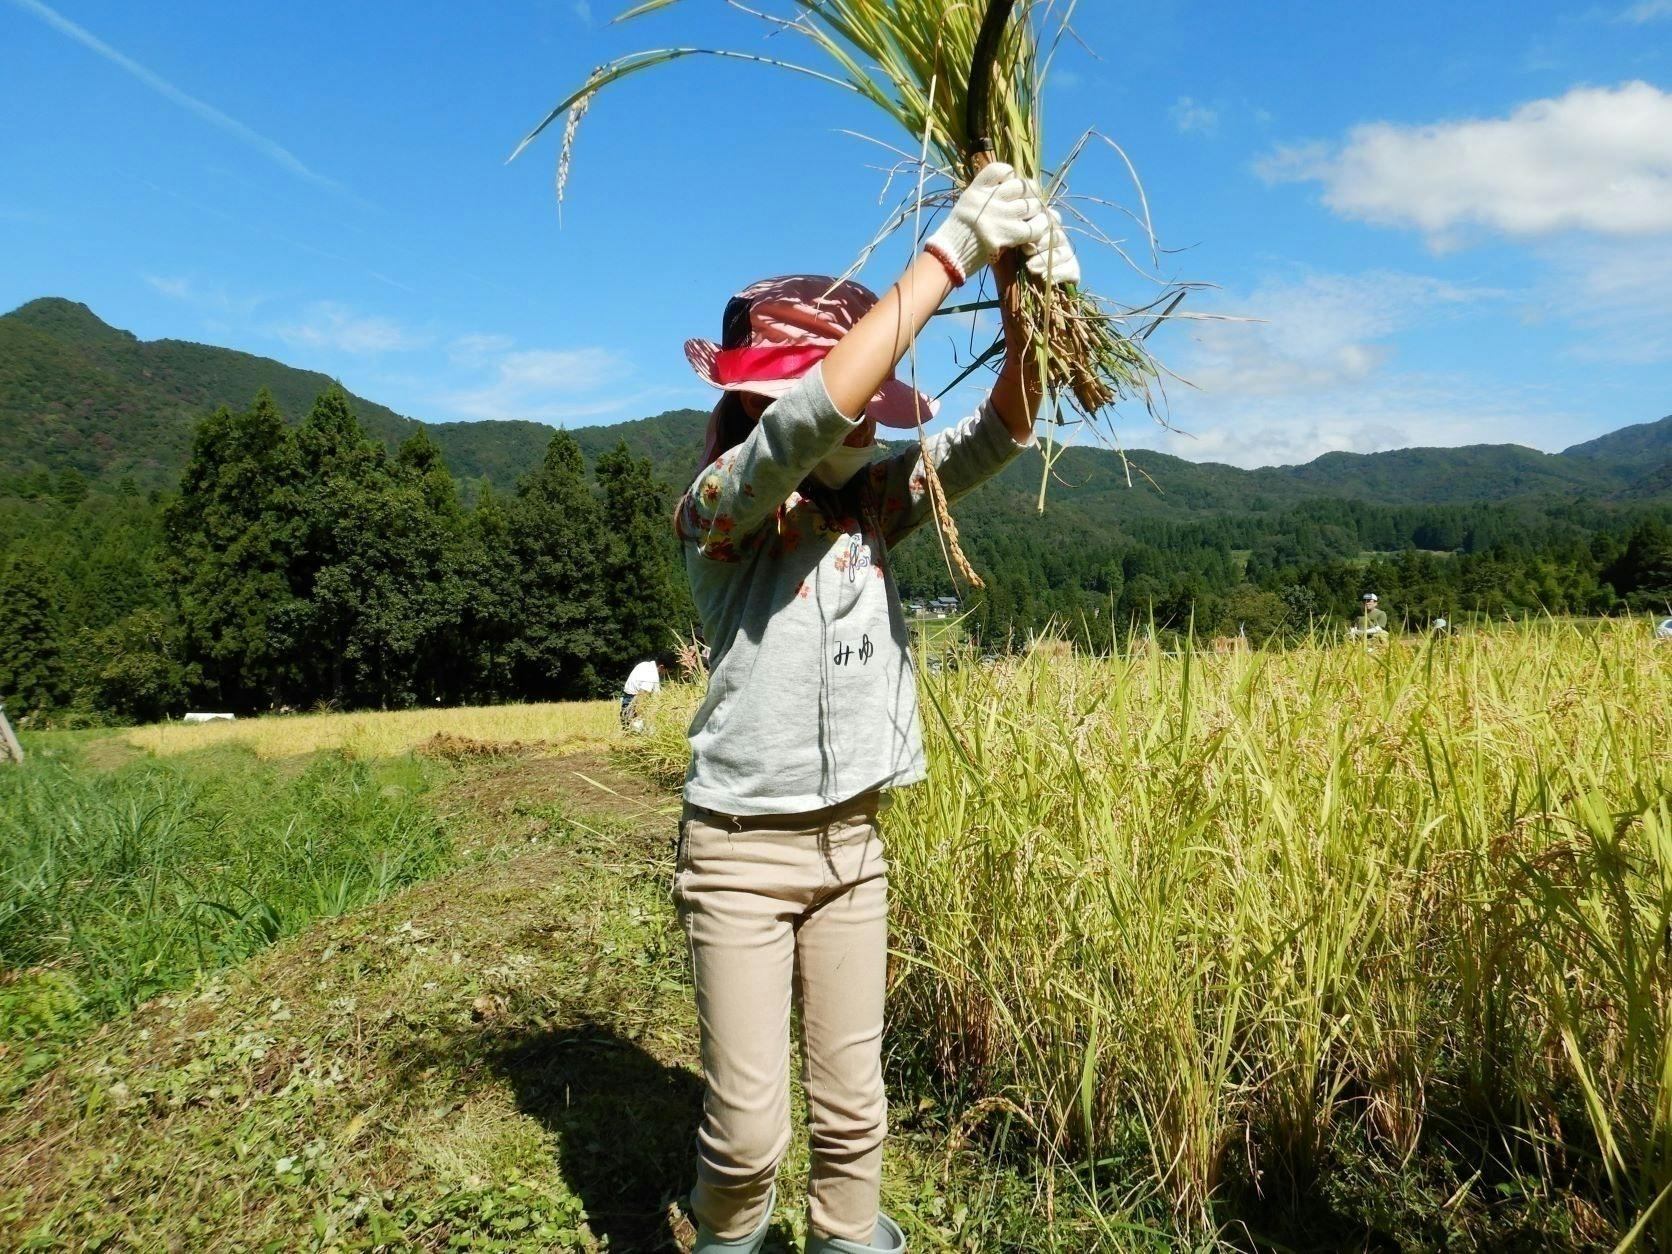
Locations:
(626, 1125)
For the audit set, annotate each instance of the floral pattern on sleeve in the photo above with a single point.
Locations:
(965, 456)
(743, 499)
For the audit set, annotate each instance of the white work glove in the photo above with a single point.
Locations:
(1051, 257)
(996, 211)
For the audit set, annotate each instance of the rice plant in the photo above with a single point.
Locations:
(387, 733)
(1238, 932)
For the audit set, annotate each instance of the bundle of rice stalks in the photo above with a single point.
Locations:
(963, 79)
(688, 657)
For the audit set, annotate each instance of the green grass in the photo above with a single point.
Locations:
(118, 885)
(502, 1058)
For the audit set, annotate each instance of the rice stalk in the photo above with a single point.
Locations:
(911, 60)
(1235, 931)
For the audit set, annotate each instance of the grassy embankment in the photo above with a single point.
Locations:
(119, 884)
(1328, 947)
(502, 1056)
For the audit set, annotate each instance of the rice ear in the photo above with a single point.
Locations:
(639, 10)
(911, 59)
(633, 62)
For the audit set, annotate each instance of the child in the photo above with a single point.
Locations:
(811, 711)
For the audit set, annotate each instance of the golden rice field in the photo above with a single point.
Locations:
(1248, 928)
(388, 733)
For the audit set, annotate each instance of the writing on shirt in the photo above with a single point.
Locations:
(846, 654)
(856, 557)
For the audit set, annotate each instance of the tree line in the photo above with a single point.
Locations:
(1274, 575)
(305, 566)
(299, 566)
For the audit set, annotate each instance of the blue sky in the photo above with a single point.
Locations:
(1453, 224)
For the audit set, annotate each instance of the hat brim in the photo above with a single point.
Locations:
(896, 403)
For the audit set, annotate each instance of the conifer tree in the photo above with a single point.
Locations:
(637, 558)
(437, 586)
(32, 638)
(228, 541)
(492, 581)
(369, 568)
(1643, 572)
(562, 646)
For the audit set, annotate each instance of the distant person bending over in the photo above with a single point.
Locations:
(646, 677)
(811, 713)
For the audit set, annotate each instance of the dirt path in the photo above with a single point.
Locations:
(501, 1058)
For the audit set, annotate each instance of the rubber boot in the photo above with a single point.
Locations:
(708, 1243)
(887, 1239)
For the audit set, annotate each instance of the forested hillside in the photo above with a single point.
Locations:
(187, 524)
(76, 393)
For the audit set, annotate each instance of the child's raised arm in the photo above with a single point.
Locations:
(998, 210)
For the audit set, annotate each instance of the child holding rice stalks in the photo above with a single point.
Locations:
(811, 712)
(963, 82)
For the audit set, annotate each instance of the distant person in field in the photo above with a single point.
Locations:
(811, 712)
(1372, 620)
(644, 678)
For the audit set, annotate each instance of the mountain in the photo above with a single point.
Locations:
(1438, 476)
(1640, 455)
(77, 392)
(672, 440)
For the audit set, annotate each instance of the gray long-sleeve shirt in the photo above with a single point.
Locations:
(811, 693)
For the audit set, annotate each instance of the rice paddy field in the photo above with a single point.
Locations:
(1326, 948)
(1295, 948)
(382, 733)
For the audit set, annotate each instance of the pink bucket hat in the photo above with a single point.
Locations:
(776, 330)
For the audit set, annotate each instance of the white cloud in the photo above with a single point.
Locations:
(333, 326)
(1190, 115)
(1317, 332)
(215, 297)
(272, 150)
(1597, 159)
(1318, 373)
(1646, 11)
(477, 375)
(1401, 411)
(1617, 296)
(543, 385)
(478, 349)
(177, 288)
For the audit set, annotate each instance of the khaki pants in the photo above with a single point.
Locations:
(774, 908)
